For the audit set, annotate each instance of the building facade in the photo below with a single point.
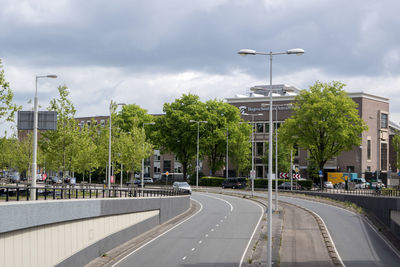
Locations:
(371, 156)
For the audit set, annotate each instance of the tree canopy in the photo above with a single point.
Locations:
(325, 122)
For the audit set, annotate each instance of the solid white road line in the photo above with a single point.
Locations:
(221, 200)
(255, 229)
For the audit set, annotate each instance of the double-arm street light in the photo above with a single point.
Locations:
(244, 52)
(35, 129)
(197, 157)
(109, 146)
(253, 172)
(145, 123)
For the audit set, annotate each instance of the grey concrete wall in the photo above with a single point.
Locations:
(20, 215)
(379, 206)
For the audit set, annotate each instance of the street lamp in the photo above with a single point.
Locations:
(227, 153)
(252, 174)
(244, 52)
(35, 128)
(197, 157)
(109, 145)
(148, 123)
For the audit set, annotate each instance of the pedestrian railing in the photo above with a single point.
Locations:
(365, 192)
(18, 193)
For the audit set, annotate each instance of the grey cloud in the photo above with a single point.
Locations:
(340, 37)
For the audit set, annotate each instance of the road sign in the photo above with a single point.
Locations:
(398, 174)
(47, 120)
(253, 174)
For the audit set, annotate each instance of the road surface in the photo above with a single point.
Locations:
(217, 235)
(357, 243)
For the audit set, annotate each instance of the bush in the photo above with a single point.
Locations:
(211, 181)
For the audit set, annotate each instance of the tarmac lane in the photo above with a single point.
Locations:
(218, 235)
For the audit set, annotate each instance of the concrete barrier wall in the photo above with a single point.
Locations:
(73, 232)
(383, 208)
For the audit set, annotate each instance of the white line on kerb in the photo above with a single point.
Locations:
(255, 229)
(201, 208)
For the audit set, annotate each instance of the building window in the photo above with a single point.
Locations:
(102, 123)
(384, 120)
(383, 157)
(267, 127)
(259, 171)
(368, 168)
(350, 168)
(167, 166)
(259, 148)
(368, 149)
(260, 127)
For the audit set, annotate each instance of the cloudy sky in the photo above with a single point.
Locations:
(151, 52)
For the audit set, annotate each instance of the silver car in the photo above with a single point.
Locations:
(183, 186)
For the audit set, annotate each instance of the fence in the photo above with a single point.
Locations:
(17, 193)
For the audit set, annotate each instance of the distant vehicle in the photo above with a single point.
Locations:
(183, 186)
(328, 185)
(286, 186)
(361, 183)
(378, 184)
(15, 178)
(234, 183)
(148, 180)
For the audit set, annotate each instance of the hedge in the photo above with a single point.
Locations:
(211, 181)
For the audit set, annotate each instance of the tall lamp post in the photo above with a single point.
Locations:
(144, 123)
(244, 52)
(227, 153)
(197, 156)
(109, 146)
(252, 174)
(35, 129)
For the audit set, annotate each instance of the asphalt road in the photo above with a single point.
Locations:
(357, 243)
(217, 235)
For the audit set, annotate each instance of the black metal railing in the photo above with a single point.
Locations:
(18, 193)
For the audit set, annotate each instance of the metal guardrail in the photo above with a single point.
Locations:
(17, 193)
(358, 192)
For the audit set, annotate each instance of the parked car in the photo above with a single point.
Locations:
(361, 184)
(15, 178)
(328, 185)
(378, 184)
(286, 186)
(183, 186)
(234, 183)
(148, 180)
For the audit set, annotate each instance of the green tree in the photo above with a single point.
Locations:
(396, 147)
(283, 156)
(61, 145)
(240, 147)
(220, 116)
(7, 108)
(176, 134)
(86, 159)
(325, 122)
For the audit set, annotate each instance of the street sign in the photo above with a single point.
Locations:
(398, 174)
(47, 120)
(253, 174)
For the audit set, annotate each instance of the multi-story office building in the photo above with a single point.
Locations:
(371, 156)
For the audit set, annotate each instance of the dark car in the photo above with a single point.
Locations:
(234, 183)
(286, 186)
